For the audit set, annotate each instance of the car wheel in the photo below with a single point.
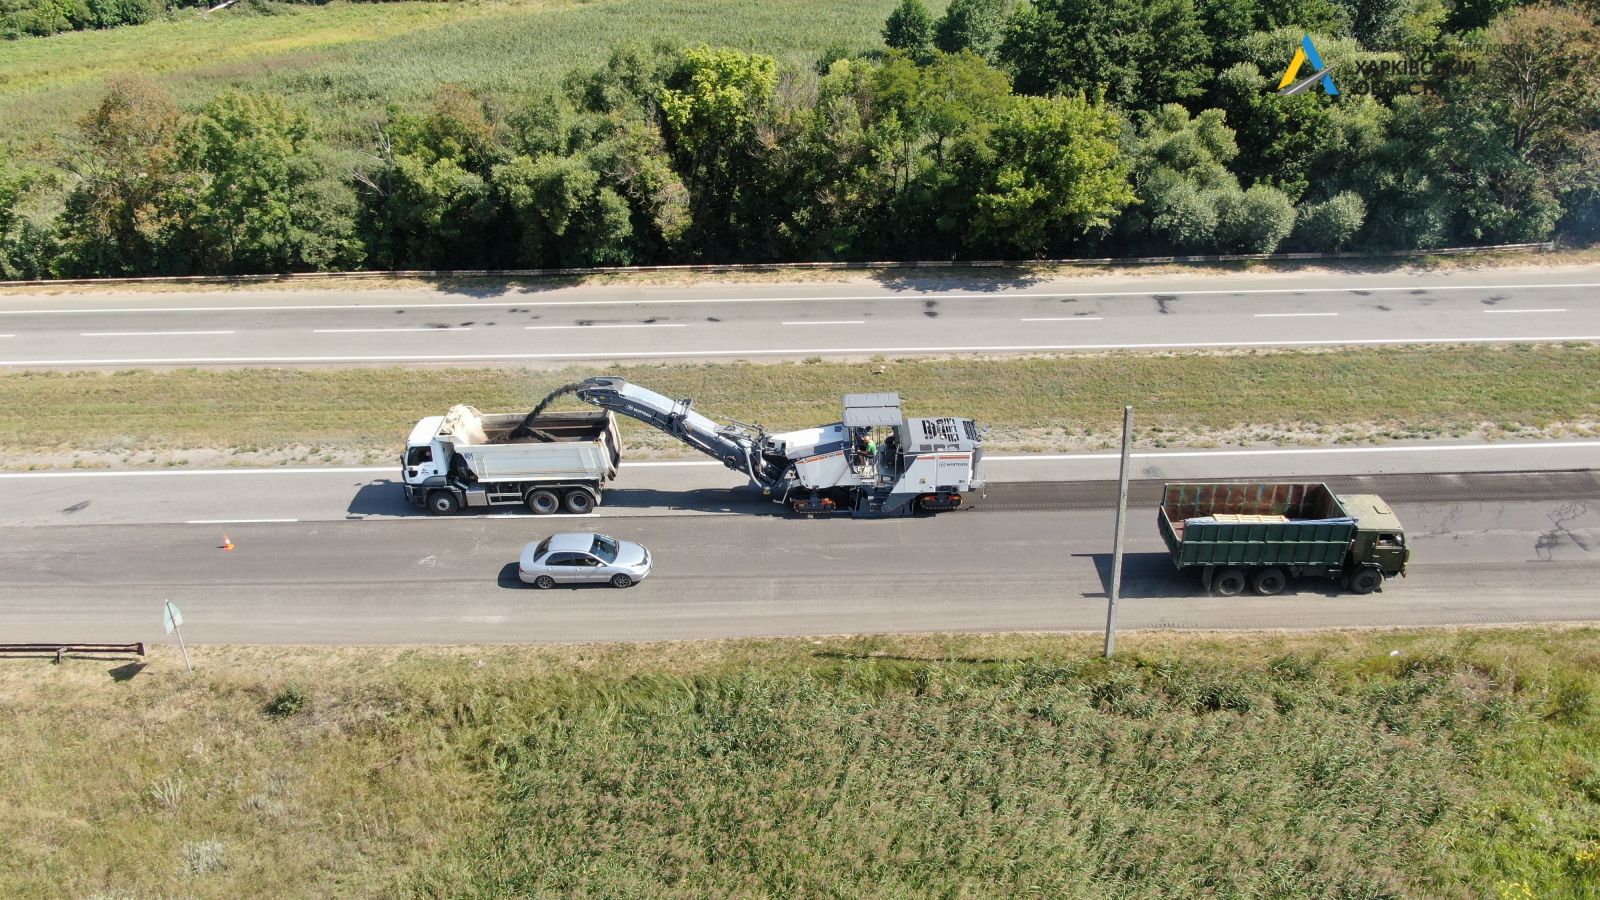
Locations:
(580, 503)
(544, 582)
(1366, 581)
(543, 503)
(1229, 582)
(1269, 581)
(620, 580)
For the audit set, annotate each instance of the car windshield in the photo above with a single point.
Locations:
(605, 548)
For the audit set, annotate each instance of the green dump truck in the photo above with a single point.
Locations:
(1261, 534)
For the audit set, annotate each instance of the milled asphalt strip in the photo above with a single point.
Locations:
(1042, 457)
(694, 354)
(148, 333)
(588, 327)
(238, 521)
(917, 297)
(381, 330)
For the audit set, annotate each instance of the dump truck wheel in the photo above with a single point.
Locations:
(543, 503)
(579, 503)
(1269, 581)
(443, 503)
(1366, 581)
(1229, 582)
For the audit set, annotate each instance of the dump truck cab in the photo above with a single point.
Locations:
(1380, 539)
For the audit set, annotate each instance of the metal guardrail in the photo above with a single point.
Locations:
(774, 267)
(60, 651)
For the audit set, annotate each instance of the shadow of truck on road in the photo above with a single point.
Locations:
(384, 497)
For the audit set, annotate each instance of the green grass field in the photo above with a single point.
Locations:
(1044, 403)
(1357, 765)
(346, 61)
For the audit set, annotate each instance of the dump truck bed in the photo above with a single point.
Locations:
(1254, 524)
(578, 446)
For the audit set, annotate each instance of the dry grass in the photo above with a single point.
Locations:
(1389, 763)
(1044, 403)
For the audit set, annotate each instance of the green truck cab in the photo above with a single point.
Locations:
(1261, 534)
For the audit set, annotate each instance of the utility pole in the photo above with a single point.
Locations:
(1116, 546)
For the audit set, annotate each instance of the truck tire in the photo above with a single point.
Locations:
(579, 502)
(543, 503)
(1366, 581)
(443, 503)
(1229, 582)
(1269, 581)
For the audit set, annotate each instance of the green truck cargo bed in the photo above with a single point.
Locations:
(1255, 524)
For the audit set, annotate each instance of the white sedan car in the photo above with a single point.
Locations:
(583, 558)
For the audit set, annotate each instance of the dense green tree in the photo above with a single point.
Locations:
(1143, 53)
(1180, 171)
(1253, 221)
(1053, 174)
(1539, 77)
(712, 103)
(428, 202)
(251, 155)
(1331, 225)
(1410, 201)
(909, 29)
(975, 25)
(567, 216)
(126, 185)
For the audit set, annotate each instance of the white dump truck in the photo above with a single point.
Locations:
(549, 462)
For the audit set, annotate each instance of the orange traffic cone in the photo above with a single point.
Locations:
(227, 543)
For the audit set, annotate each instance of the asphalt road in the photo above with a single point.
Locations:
(1487, 549)
(860, 318)
(288, 495)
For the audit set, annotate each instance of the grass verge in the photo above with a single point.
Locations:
(1440, 764)
(1046, 403)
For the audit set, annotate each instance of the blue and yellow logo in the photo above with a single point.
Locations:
(1307, 51)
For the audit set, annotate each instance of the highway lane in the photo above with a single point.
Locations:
(644, 488)
(859, 318)
(428, 581)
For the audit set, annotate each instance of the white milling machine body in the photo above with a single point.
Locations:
(927, 465)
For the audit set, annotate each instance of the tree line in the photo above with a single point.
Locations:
(1058, 128)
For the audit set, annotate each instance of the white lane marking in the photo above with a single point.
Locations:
(7, 335)
(1290, 315)
(838, 322)
(146, 333)
(1524, 310)
(585, 327)
(236, 521)
(661, 354)
(378, 330)
(1042, 457)
(1064, 319)
(916, 297)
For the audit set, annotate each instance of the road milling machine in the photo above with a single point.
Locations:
(873, 462)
